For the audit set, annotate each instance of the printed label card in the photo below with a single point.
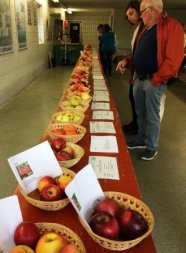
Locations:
(104, 144)
(102, 115)
(102, 127)
(105, 167)
(100, 106)
(9, 219)
(34, 163)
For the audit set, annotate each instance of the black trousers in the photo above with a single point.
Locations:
(131, 98)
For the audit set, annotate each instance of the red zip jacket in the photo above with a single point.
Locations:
(170, 53)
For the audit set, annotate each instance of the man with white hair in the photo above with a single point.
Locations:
(157, 58)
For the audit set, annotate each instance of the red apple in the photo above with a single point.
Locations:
(104, 225)
(50, 192)
(26, 233)
(44, 181)
(62, 156)
(132, 224)
(69, 248)
(58, 131)
(58, 144)
(109, 206)
(69, 151)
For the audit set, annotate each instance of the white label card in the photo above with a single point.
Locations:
(83, 191)
(34, 163)
(102, 127)
(100, 106)
(9, 219)
(103, 115)
(104, 144)
(105, 167)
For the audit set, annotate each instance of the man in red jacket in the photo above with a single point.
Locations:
(157, 58)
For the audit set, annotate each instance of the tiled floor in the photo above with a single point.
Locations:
(162, 181)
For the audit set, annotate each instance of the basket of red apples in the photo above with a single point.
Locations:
(119, 221)
(46, 238)
(67, 154)
(50, 193)
(70, 132)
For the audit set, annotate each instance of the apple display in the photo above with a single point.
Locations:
(69, 248)
(104, 225)
(44, 181)
(63, 181)
(58, 144)
(22, 249)
(26, 233)
(85, 96)
(50, 192)
(50, 242)
(109, 206)
(58, 131)
(132, 224)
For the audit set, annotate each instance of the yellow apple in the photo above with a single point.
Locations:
(50, 242)
(63, 181)
(85, 96)
(22, 249)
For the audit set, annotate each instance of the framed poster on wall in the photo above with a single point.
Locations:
(6, 45)
(20, 14)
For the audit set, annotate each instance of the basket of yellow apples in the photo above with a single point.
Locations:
(70, 132)
(50, 193)
(83, 96)
(119, 221)
(45, 238)
(68, 117)
(74, 104)
(67, 154)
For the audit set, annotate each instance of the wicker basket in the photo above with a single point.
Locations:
(128, 202)
(66, 106)
(78, 154)
(65, 232)
(79, 114)
(33, 197)
(69, 138)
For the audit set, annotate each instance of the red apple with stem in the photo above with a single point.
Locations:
(109, 206)
(26, 233)
(104, 225)
(51, 192)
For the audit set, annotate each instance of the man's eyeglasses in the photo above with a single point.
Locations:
(142, 11)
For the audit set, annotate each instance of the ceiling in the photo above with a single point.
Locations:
(100, 5)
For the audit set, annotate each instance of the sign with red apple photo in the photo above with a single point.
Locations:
(31, 165)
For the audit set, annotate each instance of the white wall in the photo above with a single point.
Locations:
(18, 68)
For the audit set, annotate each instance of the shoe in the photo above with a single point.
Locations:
(134, 145)
(149, 155)
(130, 128)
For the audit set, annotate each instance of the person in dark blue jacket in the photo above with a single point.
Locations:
(108, 48)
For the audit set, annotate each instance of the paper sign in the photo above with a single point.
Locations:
(104, 144)
(105, 167)
(83, 192)
(32, 164)
(103, 115)
(100, 106)
(102, 127)
(9, 219)
(101, 98)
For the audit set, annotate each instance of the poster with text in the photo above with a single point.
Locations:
(21, 23)
(6, 45)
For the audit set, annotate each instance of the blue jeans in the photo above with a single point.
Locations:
(147, 98)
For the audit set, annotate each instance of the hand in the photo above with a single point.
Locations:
(122, 66)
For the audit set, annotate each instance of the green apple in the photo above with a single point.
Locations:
(74, 101)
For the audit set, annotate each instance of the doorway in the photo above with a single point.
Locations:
(75, 31)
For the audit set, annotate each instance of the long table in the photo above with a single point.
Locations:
(127, 184)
